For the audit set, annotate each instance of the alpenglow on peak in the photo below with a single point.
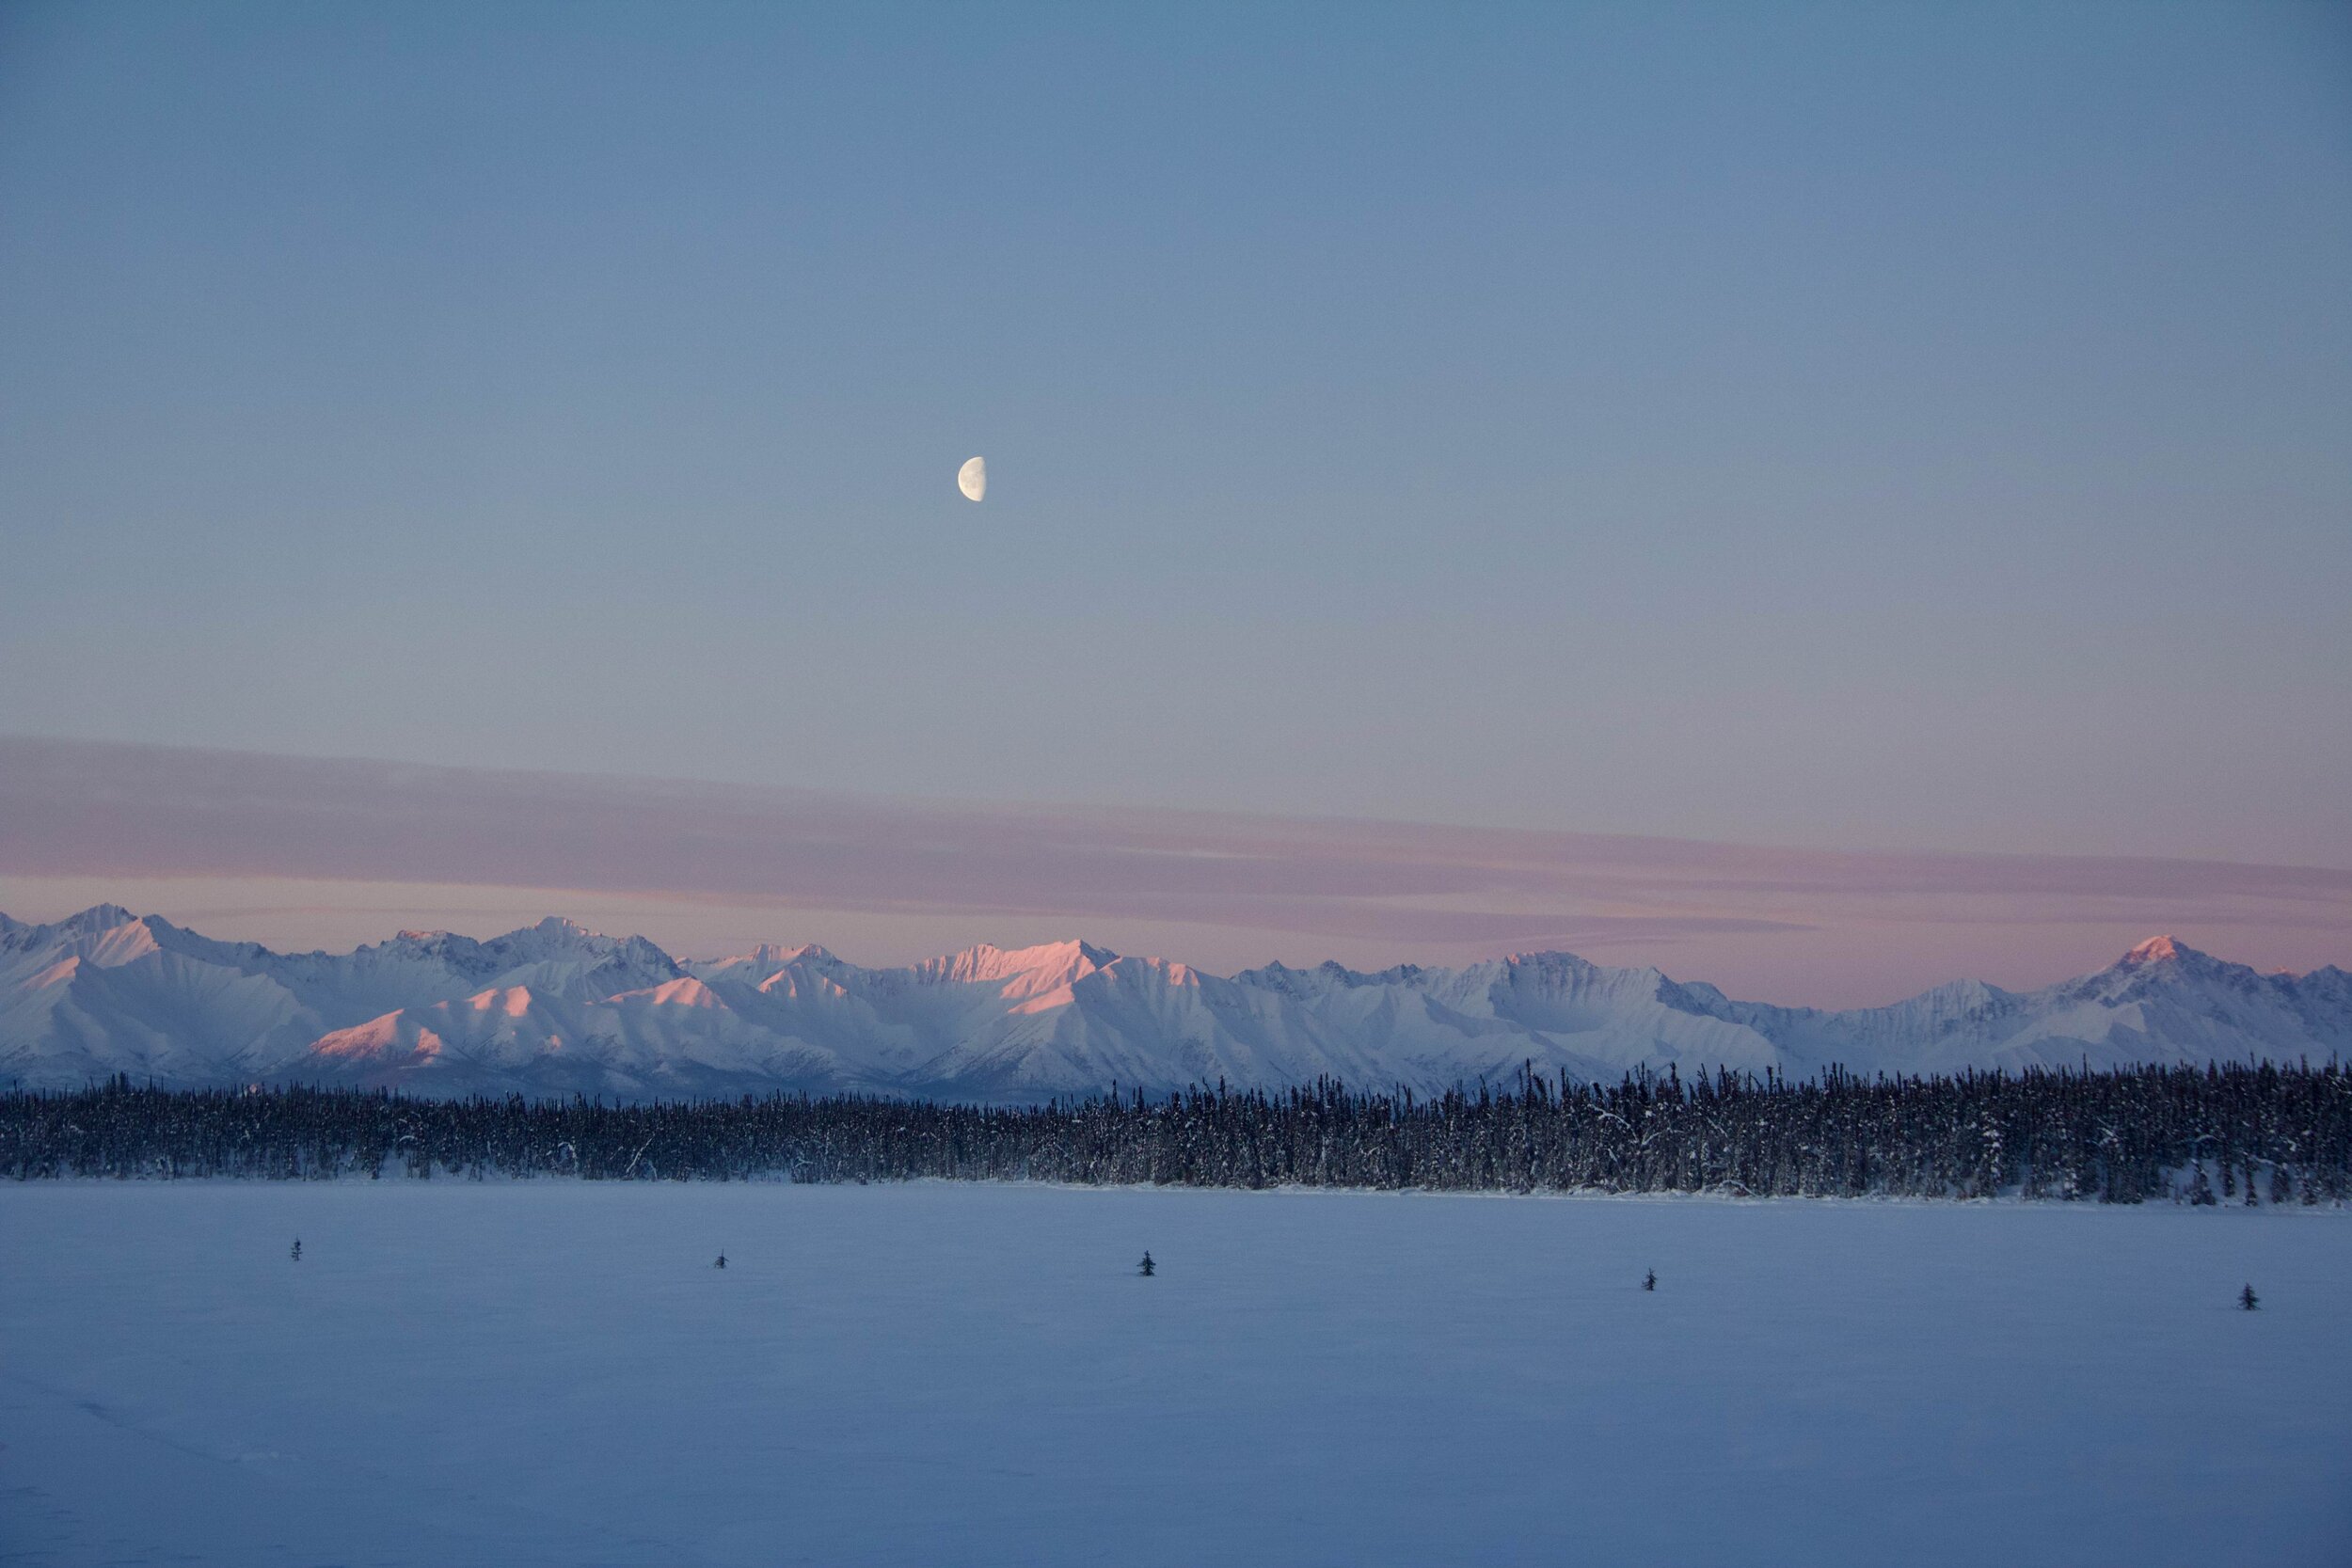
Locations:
(556, 1010)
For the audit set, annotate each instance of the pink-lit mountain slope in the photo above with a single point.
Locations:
(554, 1008)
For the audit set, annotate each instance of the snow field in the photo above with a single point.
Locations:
(936, 1373)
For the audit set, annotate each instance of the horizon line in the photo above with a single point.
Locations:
(276, 839)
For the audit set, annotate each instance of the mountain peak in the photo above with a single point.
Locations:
(1023, 971)
(557, 935)
(2159, 950)
(533, 1010)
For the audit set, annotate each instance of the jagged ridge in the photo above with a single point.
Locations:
(556, 1008)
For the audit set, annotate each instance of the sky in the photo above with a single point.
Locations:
(1847, 430)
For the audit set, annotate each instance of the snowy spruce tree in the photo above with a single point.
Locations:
(2121, 1136)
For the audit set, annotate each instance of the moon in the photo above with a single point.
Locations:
(972, 478)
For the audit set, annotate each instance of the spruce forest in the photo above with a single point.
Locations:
(2249, 1135)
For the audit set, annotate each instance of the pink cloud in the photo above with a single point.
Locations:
(88, 810)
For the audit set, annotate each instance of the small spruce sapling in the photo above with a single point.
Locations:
(1649, 1280)
(2249, 1300)
(1147, 1268)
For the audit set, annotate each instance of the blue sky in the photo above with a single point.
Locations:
(1916, 427)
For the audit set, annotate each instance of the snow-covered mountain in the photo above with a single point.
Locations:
(554, 1008)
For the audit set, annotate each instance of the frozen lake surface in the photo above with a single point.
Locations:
(552, 1373)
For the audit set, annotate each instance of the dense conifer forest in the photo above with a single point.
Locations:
(2241, 1134)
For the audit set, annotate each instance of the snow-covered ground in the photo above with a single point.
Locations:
(553, 1372)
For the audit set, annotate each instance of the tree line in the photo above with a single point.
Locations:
(2240, 1133)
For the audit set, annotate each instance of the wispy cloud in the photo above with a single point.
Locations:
(89, 809)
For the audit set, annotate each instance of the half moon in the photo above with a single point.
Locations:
(972, 478)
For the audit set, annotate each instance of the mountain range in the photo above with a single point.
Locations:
(554, 1008)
